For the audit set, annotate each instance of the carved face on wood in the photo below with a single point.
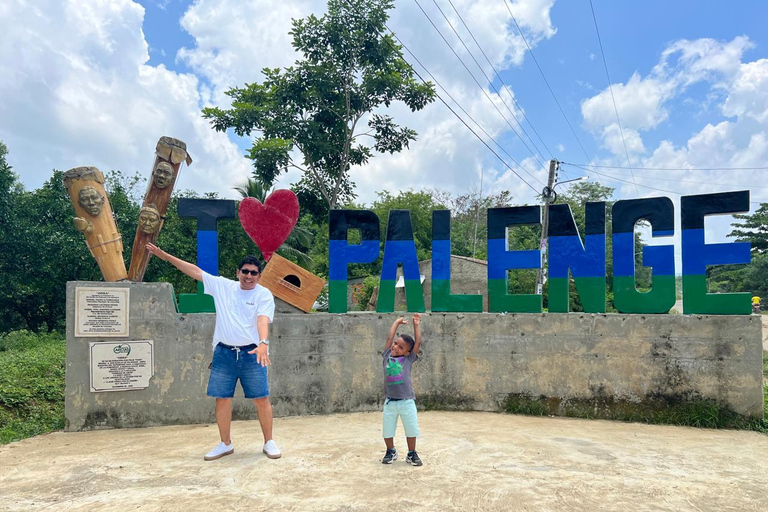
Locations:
(149, 220)
(91, 200)
(162, 175)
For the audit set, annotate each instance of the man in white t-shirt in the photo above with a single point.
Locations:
(244, 310)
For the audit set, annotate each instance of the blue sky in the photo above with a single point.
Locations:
(99, 81)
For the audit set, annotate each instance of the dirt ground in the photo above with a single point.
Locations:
(472, 462)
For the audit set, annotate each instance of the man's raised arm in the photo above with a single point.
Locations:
(188, 268)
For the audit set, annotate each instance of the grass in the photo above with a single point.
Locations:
(31, 384)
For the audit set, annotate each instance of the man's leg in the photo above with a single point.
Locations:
(264, 409)
(224, 418)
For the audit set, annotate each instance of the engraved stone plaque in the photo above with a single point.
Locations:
(121, 366)
(101, 312)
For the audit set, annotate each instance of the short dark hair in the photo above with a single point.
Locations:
(250, 260)
(407, 338)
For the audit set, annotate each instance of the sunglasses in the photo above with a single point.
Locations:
(245, 272)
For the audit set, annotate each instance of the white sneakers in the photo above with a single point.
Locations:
(220, 451)
(271, 450)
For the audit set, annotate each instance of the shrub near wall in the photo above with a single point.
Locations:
(31, 384)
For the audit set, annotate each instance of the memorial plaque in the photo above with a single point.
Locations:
(121, 366)
(101, 312)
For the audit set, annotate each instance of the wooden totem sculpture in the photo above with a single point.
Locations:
(94, 219)
(169, 154)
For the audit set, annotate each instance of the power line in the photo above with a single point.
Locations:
(467, 114)
(449, 107)
(644, 186)
(551, 155)
(613, 99)
(702, 183)
(476, 82)
(548, 86)
(674, 168)
(496, 72)
(488, 79)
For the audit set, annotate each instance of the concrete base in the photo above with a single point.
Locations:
(324, 363)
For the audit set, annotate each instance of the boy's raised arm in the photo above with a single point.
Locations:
(393, 331)
(416, 333)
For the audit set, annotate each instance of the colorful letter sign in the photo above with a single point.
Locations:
(586, 261)
(697, 254)
(660, 212)
(343, 253)
(569, 256)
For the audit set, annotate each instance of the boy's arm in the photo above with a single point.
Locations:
(392, 331)
(188, 268)
(416, 333)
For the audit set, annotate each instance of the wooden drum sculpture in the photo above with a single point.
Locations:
(94, 219)
(169, 154)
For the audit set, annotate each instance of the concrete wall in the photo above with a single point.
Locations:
(324, 363)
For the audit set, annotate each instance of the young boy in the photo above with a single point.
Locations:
(398, 356)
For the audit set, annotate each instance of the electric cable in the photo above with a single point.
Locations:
(490, 82)
(549, 87)
(449, 107)
(551, 154)
(758, 201)
(477, 83)
(673, 168)
(610, 88)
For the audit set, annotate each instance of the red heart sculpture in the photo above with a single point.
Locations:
(269, 224)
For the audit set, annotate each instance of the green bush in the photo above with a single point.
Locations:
(31, 384)
(363, 295)
(22, 340)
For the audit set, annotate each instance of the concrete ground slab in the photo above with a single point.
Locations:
(472, 462)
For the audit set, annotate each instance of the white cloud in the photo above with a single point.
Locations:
(236, 39)
(446, 154)
(77, 89)
(83, 94)
(747, 94)
(639, 103)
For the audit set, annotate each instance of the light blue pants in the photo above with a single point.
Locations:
(406, 410)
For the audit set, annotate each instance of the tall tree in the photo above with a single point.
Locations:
(350, 69)
(754, 229)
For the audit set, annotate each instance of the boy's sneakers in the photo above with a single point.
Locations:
(220, 451)
(413, 459)
(271, 450)
(390, 456)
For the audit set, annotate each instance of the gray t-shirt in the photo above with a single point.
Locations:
(397, 375)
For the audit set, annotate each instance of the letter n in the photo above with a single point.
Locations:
(586, 261)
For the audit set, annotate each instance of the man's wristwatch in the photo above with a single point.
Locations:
(266, 342)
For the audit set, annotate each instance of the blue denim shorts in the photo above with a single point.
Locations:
(229, 365)
(406, 410)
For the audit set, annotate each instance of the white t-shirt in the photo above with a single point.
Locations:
(237, 310)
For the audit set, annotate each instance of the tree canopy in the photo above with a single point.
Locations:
(754, 229)
(350, 69)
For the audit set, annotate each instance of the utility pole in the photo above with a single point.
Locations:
(548, 196)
